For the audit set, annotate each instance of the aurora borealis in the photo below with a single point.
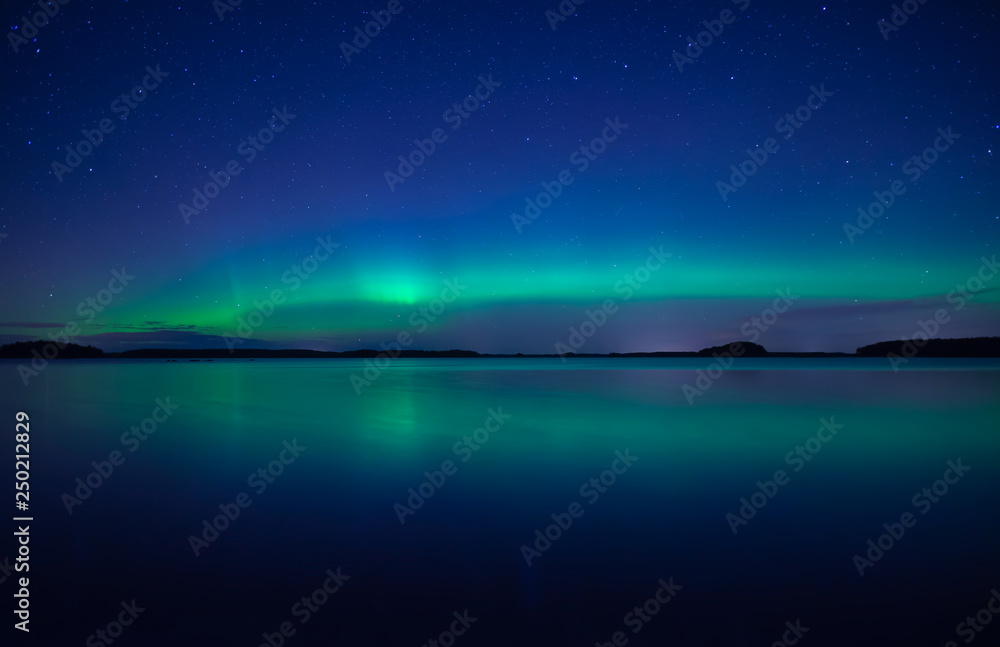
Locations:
(544, 90)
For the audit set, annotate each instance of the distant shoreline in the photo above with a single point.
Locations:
(969, 348)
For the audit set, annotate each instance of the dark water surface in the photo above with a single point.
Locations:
(672, 473)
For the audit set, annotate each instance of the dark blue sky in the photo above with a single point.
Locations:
(529, 273)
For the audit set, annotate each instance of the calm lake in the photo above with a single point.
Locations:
(511, 502)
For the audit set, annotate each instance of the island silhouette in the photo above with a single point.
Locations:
(971, 347)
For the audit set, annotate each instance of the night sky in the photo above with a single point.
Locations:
(878, 98)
